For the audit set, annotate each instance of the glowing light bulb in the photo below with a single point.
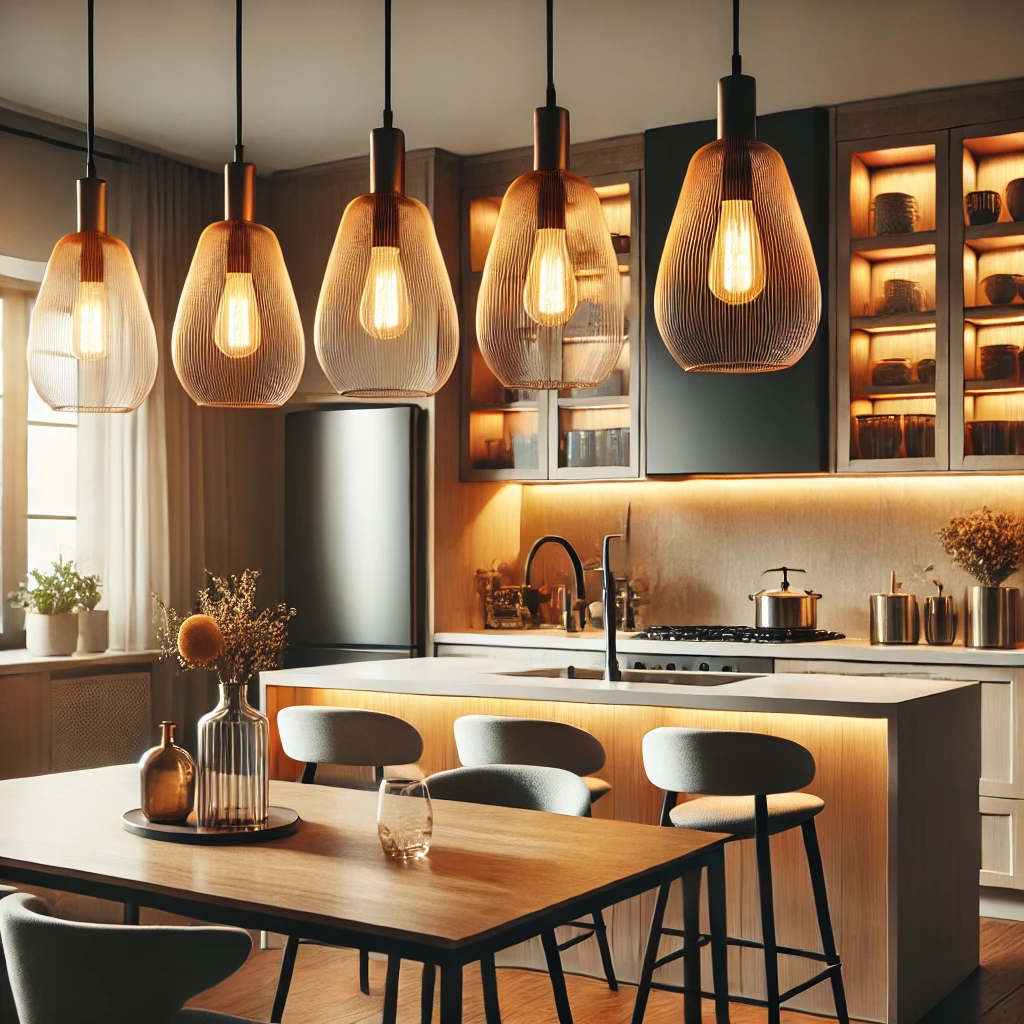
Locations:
(736, 274)
(90, 318)
(384, 309)
(237, 331)
(550, 291)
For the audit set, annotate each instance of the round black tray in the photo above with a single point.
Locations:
(281, 821)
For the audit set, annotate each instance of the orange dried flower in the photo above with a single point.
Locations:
(200, 640)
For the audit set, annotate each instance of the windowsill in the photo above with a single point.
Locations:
(18, 660)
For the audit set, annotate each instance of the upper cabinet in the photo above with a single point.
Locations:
(711, 423)
(586, 434)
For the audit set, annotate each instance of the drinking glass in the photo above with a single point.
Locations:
(405, 819)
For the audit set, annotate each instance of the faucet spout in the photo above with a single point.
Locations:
(611, 661)
(577, 565)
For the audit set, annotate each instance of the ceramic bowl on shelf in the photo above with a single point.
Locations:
(901, 296)
(1015, 198)
(895, 213)
(998, 362)
(925, 371)
(895, 370)
(989, 437)
(1000, 289)
(983, 207)
(919, 436)
(879, 437)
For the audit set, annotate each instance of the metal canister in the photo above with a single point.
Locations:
(894, 616)
(940, 619)
(992, 614)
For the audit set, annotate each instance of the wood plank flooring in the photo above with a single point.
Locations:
(325, 990)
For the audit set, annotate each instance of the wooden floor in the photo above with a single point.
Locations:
(325, 990)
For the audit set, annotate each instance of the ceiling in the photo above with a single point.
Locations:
(469, 72)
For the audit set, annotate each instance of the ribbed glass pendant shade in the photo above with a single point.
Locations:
(737, 288)
(237, 341)
(386, 323)
(550, 313)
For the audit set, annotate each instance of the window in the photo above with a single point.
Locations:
(39, 479)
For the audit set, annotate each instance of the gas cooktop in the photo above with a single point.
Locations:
(738, 634)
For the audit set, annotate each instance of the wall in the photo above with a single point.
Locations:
(701, 544)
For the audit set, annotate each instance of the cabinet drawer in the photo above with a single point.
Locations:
(1001, 863)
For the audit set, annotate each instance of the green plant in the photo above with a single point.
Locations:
(88, 593)
(53, 593)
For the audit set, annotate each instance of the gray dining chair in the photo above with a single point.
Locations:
(7, 1011)
(746, 785)
(112, 974)
(322, 736)
(497, 739)
(532, 788)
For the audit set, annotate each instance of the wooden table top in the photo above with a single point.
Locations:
(490, 870)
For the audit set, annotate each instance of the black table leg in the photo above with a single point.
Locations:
(427, 993)
(489, 981)
(451, 994)
(389, 1014)
(557, 977)
(364, 972)
(691, 936)
(601, 933)
(284, 978)
(130, 914)
(643, 990)
(719, 932)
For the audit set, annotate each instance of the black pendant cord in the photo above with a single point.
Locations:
(551, 53)
(90, 162)
(388, 117)
(239, 148)
(737, 60)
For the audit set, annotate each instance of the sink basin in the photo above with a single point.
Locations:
(632, 675)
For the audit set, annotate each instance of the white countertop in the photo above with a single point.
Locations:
(19, 661)
(851, 649)
(810, 693)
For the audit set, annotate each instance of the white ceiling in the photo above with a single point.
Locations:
(468, 73)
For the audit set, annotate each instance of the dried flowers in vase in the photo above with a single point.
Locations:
(229, 636)
(987, 544)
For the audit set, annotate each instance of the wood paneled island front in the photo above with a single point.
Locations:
(898, 762)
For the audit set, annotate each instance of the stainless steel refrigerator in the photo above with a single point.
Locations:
(354, 540)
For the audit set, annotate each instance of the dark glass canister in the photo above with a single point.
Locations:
(168, 778)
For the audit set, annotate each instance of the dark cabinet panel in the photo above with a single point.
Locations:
(738, 423)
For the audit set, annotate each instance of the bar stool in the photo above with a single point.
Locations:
(350, 737)
(533, 788)
(113, 974)
(747, 783)
(7, 1010)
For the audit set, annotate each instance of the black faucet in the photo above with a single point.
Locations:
(611, 661)
(577, 565)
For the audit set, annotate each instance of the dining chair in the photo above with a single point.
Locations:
(112, 974)
(350, 737)
(532, 788)
(7, 1011)
(746, 785)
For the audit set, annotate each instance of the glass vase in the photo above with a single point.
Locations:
(233, 787)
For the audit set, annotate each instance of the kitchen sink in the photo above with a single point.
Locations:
(633, 675)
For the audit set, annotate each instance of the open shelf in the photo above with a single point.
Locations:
(506, 407)
(894, 322)
(597, 402)
(912, 390)
(879, 247)
(1011, 314)
(982, 387)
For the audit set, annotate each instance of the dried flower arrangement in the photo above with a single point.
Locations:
(989, 545)
(226, 633)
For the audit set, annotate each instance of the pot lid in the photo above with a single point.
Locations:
(786, 590)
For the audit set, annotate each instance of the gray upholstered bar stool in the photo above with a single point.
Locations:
(533, 788)
(340, 736)
(112, 974)
(746, 784)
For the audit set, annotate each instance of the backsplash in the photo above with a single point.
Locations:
(701, 545)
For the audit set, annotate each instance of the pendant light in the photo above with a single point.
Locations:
(91, 344)
(737, 288)
(237, 340)
(550, 312)
(386, 324)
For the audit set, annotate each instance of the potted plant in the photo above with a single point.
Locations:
(51, 625)
(93, 623)
(990, 546)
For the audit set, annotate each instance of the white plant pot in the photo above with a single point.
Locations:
(92, 632)
(50, 636)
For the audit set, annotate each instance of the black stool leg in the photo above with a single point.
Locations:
(764, 885)
(427, 993)
(489, 980)
(828, 942)
(643, 989)
(451, 994)
(719, 933)
(601, 932)
(558, 988)
(284, 979)
(364, 972)
(389, 1015)
(691, 957)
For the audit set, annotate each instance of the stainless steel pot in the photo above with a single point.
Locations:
(787, 607)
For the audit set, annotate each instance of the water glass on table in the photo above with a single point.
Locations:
(405, 819)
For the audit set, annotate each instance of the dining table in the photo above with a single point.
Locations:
(493, 876)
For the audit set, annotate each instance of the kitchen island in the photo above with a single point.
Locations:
(898, 766)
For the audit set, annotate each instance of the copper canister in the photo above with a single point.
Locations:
(940, 619)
